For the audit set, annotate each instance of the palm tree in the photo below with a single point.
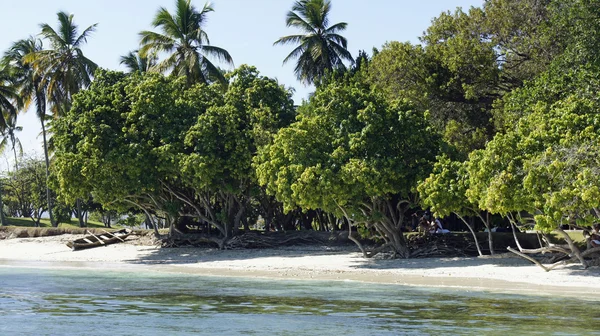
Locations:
(8, 100)
(8, 92)
(136, 62)
(64, 68)
(186, 44)
(320, 48)
(9, 136)
(32, 89)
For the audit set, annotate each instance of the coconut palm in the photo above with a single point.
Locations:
(63, 68)
(9, 137)
(8, 101)
(186, 44)
(8, 92)
(320, 48)
(138, 63)
(32, 89)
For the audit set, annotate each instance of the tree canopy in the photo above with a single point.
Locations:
(352, 154)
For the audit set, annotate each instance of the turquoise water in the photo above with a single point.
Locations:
(53, 302)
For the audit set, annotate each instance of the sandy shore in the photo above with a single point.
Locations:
(504, 274)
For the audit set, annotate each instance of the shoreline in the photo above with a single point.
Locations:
(503, 275)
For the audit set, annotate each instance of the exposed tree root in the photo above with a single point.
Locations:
(559, 254)
(250, 240)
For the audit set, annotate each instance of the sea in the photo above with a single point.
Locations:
(48, 301)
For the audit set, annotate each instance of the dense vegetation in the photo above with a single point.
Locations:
(492, 118)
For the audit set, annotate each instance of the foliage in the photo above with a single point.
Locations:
(321, 49)
(350, 153)
(64, 69)
(467, 62)
(543, 165)
(184, 40)
(133, 61)
(444, 191)
(149, 141)
(25, 190)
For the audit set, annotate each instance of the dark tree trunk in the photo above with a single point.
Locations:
(2, 218)
(80, 213)
(48, 199)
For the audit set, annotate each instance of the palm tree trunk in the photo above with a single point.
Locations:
(2, 219)
(48, 200)
(16, 162)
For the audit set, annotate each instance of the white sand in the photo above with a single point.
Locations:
(505, 274)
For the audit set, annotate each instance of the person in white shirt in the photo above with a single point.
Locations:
(438, 226)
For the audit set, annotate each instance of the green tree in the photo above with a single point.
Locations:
(530, 166)
(32, 89)
(64, 68)
(8, 93)
(184, 40)
(468, 61)
(224, 140)
(26, 190)
(8, 98)
(352, 154)
(170, 150)
(320, 46)
(444, 191)
(136, 62)
(9, 137)
(53, 75)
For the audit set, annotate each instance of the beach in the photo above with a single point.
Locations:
(506, 274)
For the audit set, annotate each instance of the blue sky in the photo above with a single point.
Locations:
(247, 29)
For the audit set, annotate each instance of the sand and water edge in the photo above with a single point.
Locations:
(505, 275)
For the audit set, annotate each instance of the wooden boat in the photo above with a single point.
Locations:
(95, 240)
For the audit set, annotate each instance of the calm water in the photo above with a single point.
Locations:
(52, 302)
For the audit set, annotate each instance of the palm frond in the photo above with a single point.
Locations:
(155, 41)
(218, 53)
(213, 72)
(184, 40)
(168, 24)
(295, 53)
(296, 21)
(83, 37)
(56, 41)
(336, 28)
(290, 39)
(321, 48)
(67, 29)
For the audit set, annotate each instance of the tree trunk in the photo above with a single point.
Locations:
(2, 218)
(48, 200)
(80, 214)
(16, 161)
(490, 237)
(473, 233)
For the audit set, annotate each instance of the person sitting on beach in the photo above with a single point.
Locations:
(437, 226)
(423, 225)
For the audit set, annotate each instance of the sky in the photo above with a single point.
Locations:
(247, 29)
